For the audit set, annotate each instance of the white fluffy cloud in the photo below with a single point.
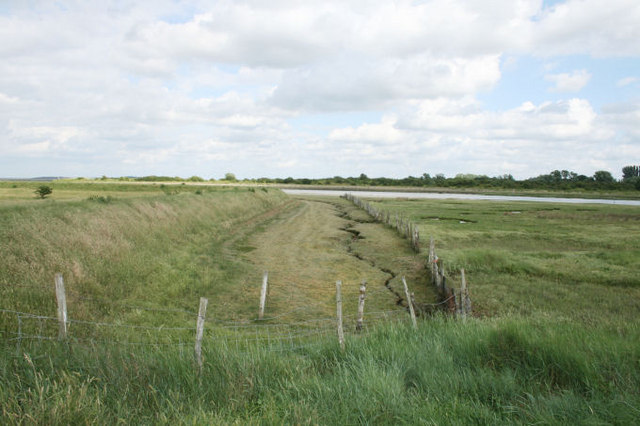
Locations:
(522, 141)
(569, 82)
(128, 87)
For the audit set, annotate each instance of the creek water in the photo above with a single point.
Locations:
(457, 196)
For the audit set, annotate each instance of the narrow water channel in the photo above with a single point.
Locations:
(456, 196)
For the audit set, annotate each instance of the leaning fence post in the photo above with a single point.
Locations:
(62, 307)
(339, 314)
(363, 289)
(200, 331)
(411, 310)
(263, 294)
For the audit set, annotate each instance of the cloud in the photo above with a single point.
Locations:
(353, 83)
(627, 81)
(177, 88)
(587, 27)
(569, 82)
(448, 135)
(381, 133)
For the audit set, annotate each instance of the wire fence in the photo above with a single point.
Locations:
(293, 329)
(32, 331)
(457, 303)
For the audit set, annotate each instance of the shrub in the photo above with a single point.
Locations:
(43, 191)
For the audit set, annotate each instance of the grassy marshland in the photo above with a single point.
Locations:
(558, 261)
(557, 340)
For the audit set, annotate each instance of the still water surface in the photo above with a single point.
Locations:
(454, 196)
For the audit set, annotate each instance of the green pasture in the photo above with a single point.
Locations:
(554, 338)
(571, 261)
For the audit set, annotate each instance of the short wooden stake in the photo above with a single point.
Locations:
(263, 294)
(363, 289)
(62, 307)
(339, 314)
(411, 310)
(200, 331)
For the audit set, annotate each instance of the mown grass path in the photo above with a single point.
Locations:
(308, 247)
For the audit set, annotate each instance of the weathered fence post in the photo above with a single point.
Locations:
(432, 258)
(457, 298)
(200, 331)
(363, 289)
(411, 310)
(339, 314)
(464, 290)
(62, 307)
(263, 294)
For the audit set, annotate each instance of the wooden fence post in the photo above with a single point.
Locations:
(466, 300)
(200, 331)
(411, 310)
(363, 289)
(339, 314)
(451, 300)
(432, 258)
(263, 294)
(62, 307)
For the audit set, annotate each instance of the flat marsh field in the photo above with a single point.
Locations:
(555, 336)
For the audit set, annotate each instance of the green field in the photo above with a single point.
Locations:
(554, 338)
(561, 261)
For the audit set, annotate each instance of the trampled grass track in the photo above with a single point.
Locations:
(308, 247)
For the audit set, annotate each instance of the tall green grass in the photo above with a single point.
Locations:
(156, 252)
(478, 372)
(555, 340)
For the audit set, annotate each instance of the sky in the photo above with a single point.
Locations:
(318, 89)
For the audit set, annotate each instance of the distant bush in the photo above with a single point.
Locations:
(43, 191)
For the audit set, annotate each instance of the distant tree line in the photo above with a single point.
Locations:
(557, 179)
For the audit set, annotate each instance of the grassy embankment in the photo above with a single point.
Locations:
(546, 363)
